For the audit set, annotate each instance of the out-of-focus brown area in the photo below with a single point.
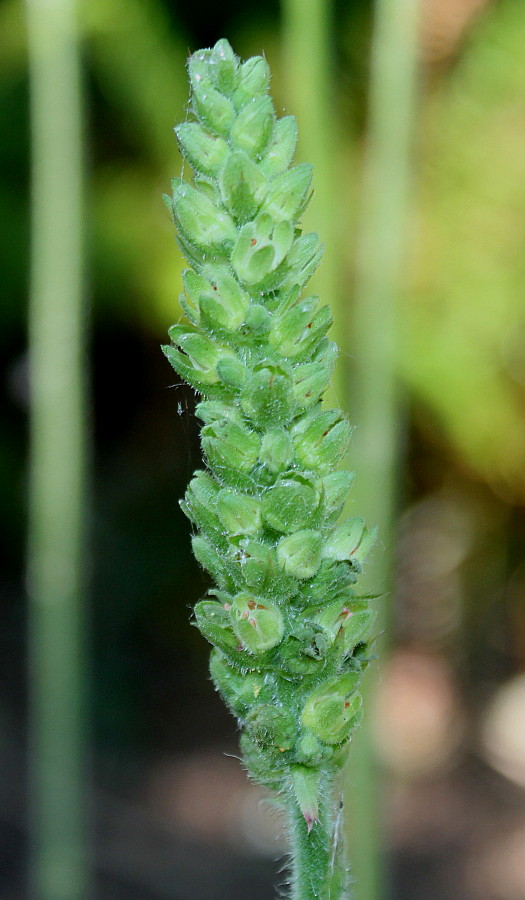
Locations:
(174, 816)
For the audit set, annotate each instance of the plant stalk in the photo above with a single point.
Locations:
(57, 584)
(318, 869)
(376, 404)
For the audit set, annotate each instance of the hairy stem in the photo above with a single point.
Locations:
(318, 868)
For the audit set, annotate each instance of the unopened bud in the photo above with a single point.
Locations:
(230, 449)
(243, 187)
(212, 108)
(253, 126)
(239, 690)
(258, 319)
(202, 224)
(280, 151)
(223, 65)
(257, 622)
(214, 623)
(253, 79)
(267, 398)
(276, 450)
(290, 504)
(352, 619)
(330, 710)
(336, 486)
(205, 152)
(239, 513)
(300, 554)
(289, 193)
(322, 440)
(344, 540)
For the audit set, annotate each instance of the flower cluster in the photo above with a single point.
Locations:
(288, 631)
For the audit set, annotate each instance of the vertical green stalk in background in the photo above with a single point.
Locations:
(309, 91)
(381, 247)
(58, 458)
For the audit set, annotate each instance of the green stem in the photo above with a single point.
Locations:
(318, 870)
(58, 458)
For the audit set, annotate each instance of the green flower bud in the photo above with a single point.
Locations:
(239, 691)
(205, 152)
(272, 728)
(257, 622)
(231, 450)
(200, 222)
(344, 540)
(321, 440)
(258, 319)
(300, 328)
(200, 502)
(210, 559)
(289, 193)
(300, 554)
(281, 149)
(213, 621)
(254, 78)
(223, 65)
(290, 504)
(267, 398)
(232, 372)
(365, 545)
(276, 450)
(253, 126)
(243, 187)
(330, 711)
(194, 286)
(201, 356)
(352, 619)
(212, 410)
(212, 108)
(239, 513)
(223, 304)
(336, 486)
(303, 259)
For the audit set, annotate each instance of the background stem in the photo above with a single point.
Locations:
(58, 459)
(374, 392)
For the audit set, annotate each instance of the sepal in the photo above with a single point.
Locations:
(299, 554)
(231, 451)
(267, 398)
(290, 504)
(288, 194)
(223, 65)
(213, 621)
(200, 222)
(205, 152)
(253, 79)
(239, 513)
(281, 149)
(253, 126)
(243, 187)
(277, 450)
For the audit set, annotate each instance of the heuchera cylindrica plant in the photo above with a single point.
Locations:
(289, 633)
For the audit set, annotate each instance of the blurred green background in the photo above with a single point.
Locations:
(173, 816)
